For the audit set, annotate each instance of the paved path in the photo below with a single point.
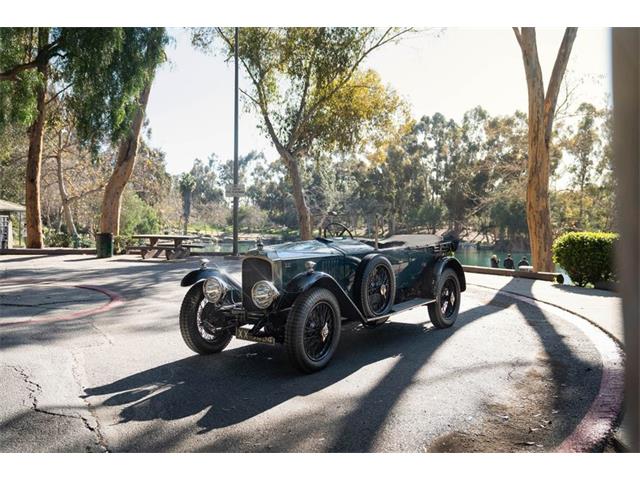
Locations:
(509, 376)
(600, 307)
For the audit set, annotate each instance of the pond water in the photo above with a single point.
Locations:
(482, 258)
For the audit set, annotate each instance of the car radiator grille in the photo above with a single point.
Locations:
(253, 270)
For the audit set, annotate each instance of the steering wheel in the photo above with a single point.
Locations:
(335, 229)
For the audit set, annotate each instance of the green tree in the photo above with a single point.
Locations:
(310, 90)
(207, 188)
(143, 52)
(102, 70)
(582, 144)
(187, 184)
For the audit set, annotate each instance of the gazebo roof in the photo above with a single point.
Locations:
(10, 207)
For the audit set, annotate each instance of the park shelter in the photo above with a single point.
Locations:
(6, 210)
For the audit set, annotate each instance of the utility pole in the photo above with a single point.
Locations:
(235, 148)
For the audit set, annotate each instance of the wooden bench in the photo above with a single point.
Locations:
(173, 246)
(171, 251)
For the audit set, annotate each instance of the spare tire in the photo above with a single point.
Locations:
(375, 286)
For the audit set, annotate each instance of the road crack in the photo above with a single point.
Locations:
(101, 440)
(35, 389)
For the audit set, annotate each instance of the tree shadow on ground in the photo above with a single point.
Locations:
(240, 384)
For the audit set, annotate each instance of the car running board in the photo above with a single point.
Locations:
(398, 308)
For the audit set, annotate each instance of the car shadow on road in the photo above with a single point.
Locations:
(242, 383)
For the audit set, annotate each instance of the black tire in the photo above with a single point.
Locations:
(376, 272)
(444, 311)
(313, 351)
(201, 340)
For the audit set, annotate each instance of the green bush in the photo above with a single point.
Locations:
(121, 242)
(586, 256)
(54, 238)
(137, 216)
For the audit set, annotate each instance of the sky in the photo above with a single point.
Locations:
(191, 105)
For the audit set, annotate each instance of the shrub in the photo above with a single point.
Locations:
(121, 242)
(54, 238)
(586, 256)
(137, 216)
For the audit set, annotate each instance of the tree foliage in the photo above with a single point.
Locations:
(308, 86)
(101, 70)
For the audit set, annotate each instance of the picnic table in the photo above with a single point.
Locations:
(173, 246)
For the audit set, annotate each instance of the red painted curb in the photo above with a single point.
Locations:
(602, 416)
(114, 301)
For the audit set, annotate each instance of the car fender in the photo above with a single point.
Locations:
(307, 280)
(202, 274)
(438, 268)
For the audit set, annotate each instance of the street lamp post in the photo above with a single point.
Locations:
(235, 147)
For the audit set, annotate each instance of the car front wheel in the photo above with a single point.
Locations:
(197, 324)
(313, 330)
(444, 311)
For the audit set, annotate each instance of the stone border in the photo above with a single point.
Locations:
(604, 413)
(114, 300)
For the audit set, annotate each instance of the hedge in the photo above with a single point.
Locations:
(588, 257)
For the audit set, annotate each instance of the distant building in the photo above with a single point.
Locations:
(6, 233)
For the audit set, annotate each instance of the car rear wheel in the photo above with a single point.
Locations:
(312, 331)
(444, 311)
(198, 332)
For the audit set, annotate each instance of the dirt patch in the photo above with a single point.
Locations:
(526, 426)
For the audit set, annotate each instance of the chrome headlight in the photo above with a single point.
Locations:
(214, 289)
(264, 293)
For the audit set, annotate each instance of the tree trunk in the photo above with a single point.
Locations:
(304, 214)
(33, 217)
(186, 210)
(64, 196)
(125, 161)
(541, 113)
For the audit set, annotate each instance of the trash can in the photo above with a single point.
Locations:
(104, 245)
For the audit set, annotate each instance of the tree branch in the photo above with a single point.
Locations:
(516, 30)
(43, 56)
(303, 100)
(383, 40)
(555, 81)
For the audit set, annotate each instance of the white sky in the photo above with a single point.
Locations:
(191, 104)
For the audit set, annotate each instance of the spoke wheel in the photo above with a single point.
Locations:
(444, 311)
(378, 289)
(201, 329)
(448, 298)
(318, 331)
(375, 285)
(312, 331)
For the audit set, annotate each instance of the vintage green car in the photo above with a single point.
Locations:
(300, 293)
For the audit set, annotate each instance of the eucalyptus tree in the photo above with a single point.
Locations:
(542, 109)
(101, 70)
(309, 88)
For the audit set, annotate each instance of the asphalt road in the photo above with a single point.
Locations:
(508, 376)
